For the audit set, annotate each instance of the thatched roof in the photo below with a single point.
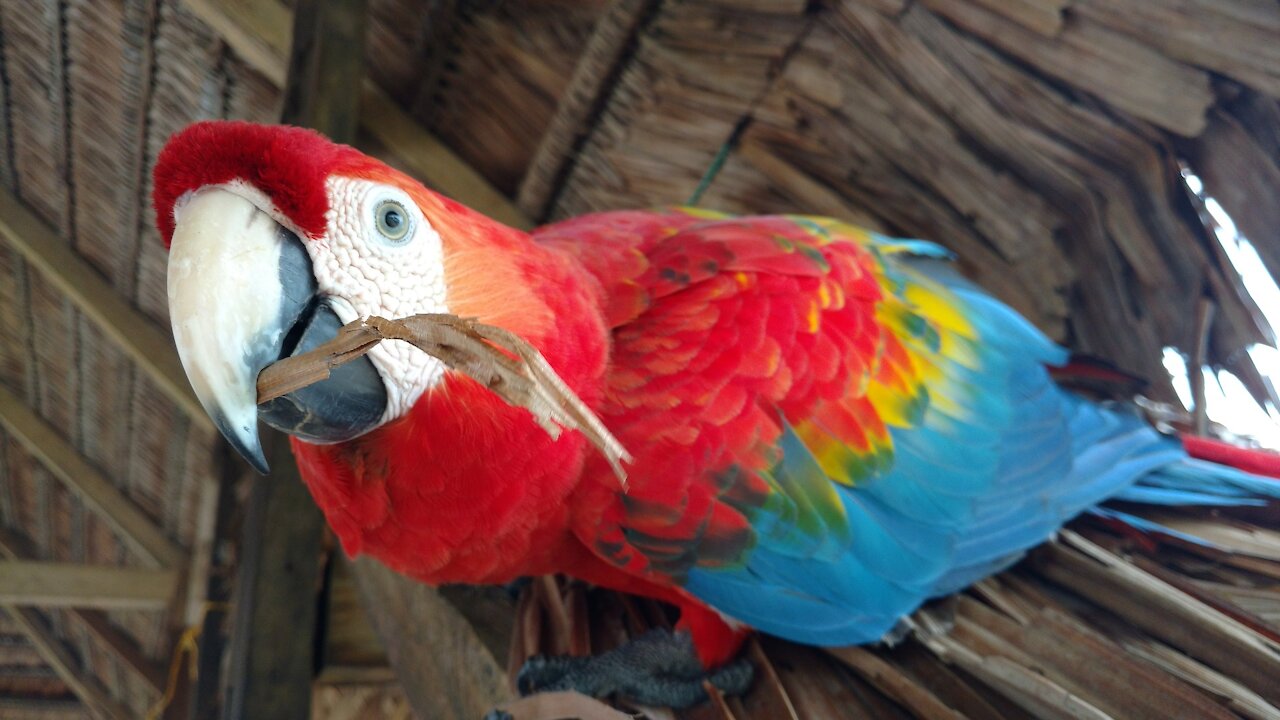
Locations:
(1044, 140)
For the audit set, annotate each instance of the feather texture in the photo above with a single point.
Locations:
(828, 426)
(831, 426)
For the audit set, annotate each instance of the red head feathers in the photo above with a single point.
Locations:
(288, 164)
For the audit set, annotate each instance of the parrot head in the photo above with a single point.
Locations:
(277, 238)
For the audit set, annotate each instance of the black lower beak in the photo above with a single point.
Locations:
(346, 405)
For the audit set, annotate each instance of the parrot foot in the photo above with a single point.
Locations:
(659, 668)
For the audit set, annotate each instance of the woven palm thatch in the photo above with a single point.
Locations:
(1044, 140)
(1049, 158)
(91, 91)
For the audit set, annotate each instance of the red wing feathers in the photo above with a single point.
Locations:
(728, 327)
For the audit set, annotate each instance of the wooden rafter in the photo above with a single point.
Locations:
(129, 330)
(135, 529)
(428, 159)
(258, 32)
(87, 688)
(583, 99)
(443, 664)
(33, 708)
(208, 603)
(125, 649)
(47, 584)
(16, 547)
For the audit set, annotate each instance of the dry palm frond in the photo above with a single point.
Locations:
(496, 358)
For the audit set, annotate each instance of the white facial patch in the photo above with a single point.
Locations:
(370, 263)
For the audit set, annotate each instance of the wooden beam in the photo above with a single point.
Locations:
(126, 649)
(39, 708)
(49, 584)
(277, 595)
(255, 34)
(353, 652)
(132, 332)
(325, 66)
(87, 688)
(134, 528)
(205, 696)
(446, 670)
(258, 31)
(430, 160)
(210, 503)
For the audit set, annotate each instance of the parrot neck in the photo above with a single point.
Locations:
(465, 488)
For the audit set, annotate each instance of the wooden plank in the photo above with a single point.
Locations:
(1165, 612)
(430, 161)
(1042, 16)
(276, 598)
(1236, 38)
(135, 529)
(1128, 74)
(122, 646)
(249, 29)
(48, 584)
(87, 688)
(445, 669)
(257, 30)
(325, 66)
(38, 708)
(145, 344)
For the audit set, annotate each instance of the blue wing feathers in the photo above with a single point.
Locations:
(965, 496)
(1186, 481)
(1161, 496)
(896, 548)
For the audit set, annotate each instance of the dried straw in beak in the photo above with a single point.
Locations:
(496, 358)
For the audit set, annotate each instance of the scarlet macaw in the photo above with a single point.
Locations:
(828, 426)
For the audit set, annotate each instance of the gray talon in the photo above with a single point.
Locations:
(659, 668)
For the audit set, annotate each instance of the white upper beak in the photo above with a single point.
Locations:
(225, 302)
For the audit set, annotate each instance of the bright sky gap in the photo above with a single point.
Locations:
(1226, 399)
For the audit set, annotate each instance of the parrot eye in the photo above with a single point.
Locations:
(393, 220)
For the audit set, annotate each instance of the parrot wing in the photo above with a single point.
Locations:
(829, 425)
